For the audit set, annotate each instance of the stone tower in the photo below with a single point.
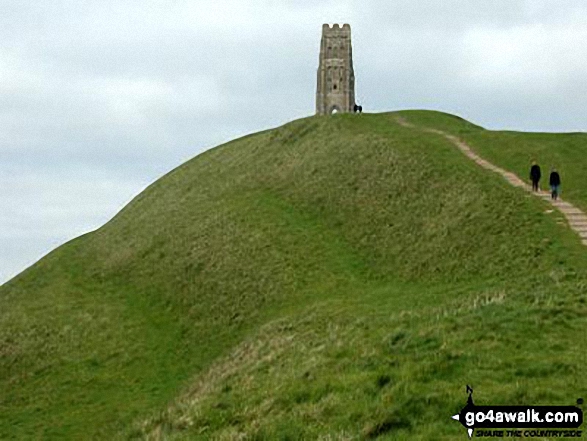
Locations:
(336, 78)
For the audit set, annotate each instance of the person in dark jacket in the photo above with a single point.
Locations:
(555, 183)
(535, 175)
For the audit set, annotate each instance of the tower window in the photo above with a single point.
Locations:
(334, 87)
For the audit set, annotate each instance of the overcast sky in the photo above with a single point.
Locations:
(100, 98)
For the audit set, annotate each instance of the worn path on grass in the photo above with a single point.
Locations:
(576, 218)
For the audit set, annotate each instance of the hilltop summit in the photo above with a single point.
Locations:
(339, 276)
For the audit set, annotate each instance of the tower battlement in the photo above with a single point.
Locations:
(335, 28)
(336, 78)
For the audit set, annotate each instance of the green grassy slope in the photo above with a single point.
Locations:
(515, 151)
(566, 152)
(336, 276)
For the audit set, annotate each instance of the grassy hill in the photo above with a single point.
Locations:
(338, 277)
(515, 151)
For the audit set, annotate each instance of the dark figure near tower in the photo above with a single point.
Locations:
(555, 183)
(535, 175)
(357, 109)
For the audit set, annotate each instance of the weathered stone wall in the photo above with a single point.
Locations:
(336, 77)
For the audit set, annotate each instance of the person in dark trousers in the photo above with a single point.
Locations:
(555, 182)
(535, 175)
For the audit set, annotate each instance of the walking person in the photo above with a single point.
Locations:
(555, 183)
(535, 175)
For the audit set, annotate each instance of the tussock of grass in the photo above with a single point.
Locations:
(335, 278)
